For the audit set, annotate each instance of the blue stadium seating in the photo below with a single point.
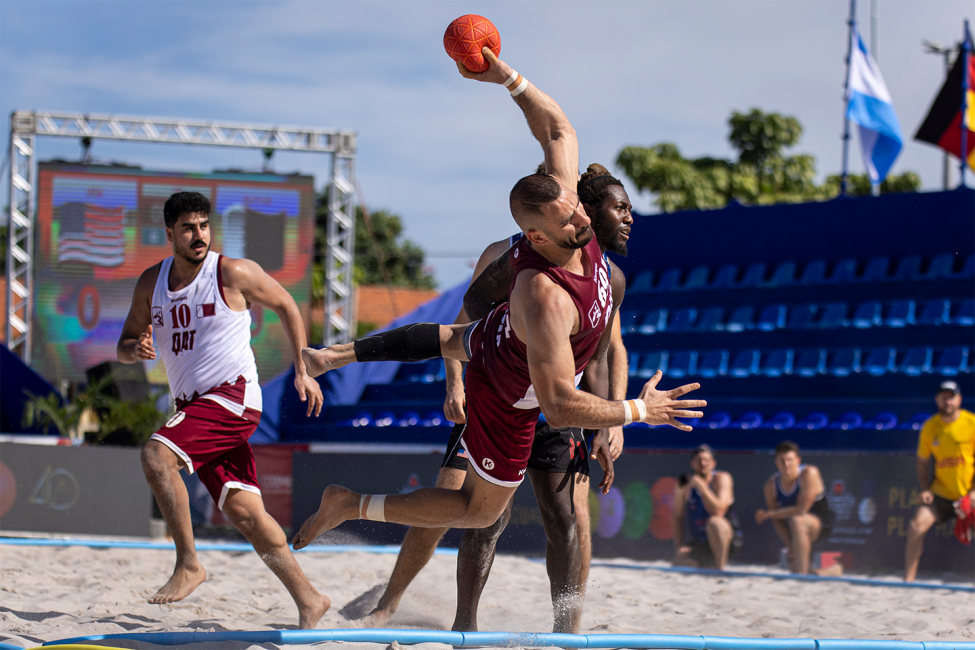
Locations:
(813, 421)
(384, 419)
(900, 313)
(965, 314)
(682, 320)
(741, 319)
(651, 363)
(712, 363)
(716, 420)
(845, 271)
(880, 361)
(784, 275)
(748, 420)
(781, 420)
(801, 317)
(967, 271)
(916, 361)
(952, 361)
(881, 422)
(408, 419)
(811, 363)
(907, 269)
(936, 312)
(814, 273)
(697, 279)
(642, 283)
(711, 320)
(876, 270)
(669, 281)
(777, 363)
(726, 277)
(833, 316)
(772, 318)
(915, 422)
(629, 320)
(655, 321)
(941, 267)
(848, 421)
(745, 363)
(754, 276)
(682, 364)
(843, 362)
(868, 314)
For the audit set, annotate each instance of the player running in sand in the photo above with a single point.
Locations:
(559, 463)
(526, 357)
(196, 302)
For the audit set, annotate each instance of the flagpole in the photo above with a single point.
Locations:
(966, 83)
(846, 97)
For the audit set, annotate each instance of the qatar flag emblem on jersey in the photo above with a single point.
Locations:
(207, 309)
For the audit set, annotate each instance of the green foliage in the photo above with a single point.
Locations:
(762, 175)
(402, 260)
(140, 419)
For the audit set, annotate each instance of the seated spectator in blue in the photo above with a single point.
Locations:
(949, 438)
(703, 532)
(795, 498)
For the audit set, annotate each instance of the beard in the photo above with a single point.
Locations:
(581, 240)
(610, 240)
(190, 255)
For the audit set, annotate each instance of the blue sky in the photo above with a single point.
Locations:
(435, 148)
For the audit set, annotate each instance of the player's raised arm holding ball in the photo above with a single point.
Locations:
(526, 356)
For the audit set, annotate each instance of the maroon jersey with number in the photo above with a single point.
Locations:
(502, 407)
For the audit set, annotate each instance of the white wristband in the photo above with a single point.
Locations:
(376, 510)
(521, 88)
(627, 415)
(511, 79)
(641, 407)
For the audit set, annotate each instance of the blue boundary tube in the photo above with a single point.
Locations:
(520, 639)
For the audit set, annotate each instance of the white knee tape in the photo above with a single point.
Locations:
(376, 510)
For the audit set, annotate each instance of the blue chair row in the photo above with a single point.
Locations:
(805, 363)
(815, 273)
(883, 421)
(390, 419)
(426, 372)
(872, 313)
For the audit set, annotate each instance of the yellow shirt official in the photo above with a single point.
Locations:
(953, 448)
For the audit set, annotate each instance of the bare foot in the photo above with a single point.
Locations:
(338, 504)
(834, 571)
(182, 583)
(321, 361)
(376, 618)
(309, 616)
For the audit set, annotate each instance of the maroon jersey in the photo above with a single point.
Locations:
(505, 358)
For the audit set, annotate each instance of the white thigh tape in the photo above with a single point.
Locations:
(376, 510)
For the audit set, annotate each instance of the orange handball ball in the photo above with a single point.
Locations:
(466, 36)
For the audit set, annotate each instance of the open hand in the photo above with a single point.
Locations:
(663, 407)
(309, 391)
(144, 349)
(602, 452)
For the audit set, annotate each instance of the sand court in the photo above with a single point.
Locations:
(51, 593)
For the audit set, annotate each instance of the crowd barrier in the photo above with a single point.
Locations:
(517, 639)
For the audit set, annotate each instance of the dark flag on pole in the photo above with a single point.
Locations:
(942, 126)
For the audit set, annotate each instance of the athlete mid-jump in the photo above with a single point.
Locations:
(196, 304)
(527, 355)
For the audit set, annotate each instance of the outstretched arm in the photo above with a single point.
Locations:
(259, 288)
(546, 119)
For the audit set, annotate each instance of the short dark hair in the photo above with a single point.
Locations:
(532, 192)
(702, 448)
(785, 447)
(184, 203)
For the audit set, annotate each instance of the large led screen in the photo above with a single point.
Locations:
(100, 227)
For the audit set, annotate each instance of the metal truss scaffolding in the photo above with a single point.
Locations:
(25, 126)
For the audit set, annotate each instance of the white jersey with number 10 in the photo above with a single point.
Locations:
(203, 342)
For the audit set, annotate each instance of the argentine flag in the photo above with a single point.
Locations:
(869, 106)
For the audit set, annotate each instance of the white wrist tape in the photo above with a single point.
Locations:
(641, 407)
(511, 79)
(521, 88)
(376, 510)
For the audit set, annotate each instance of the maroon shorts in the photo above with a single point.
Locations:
(499, 437)
(212, 442)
